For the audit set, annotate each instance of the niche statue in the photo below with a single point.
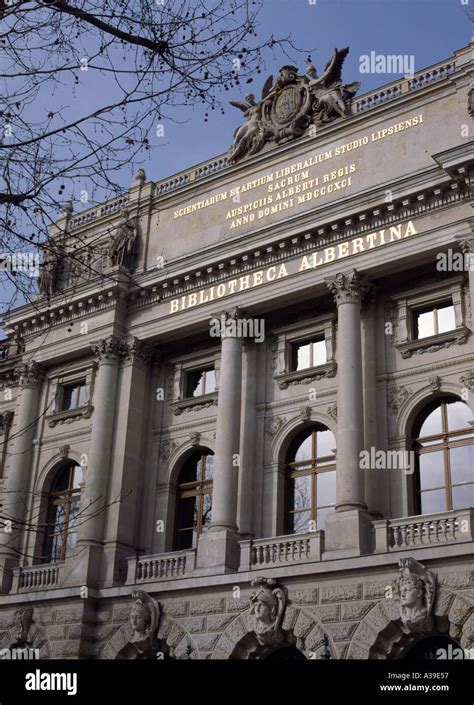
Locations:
(122, 244)
(144, 621)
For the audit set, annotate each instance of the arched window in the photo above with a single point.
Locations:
(444, 448)
(311, 479)
(63, 512)
(193, 514)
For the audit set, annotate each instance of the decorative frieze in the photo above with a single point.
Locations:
(197, 404)
(69, 416)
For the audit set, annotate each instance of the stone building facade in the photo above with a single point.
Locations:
(300, 486)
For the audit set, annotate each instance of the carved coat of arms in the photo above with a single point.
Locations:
(290, 105)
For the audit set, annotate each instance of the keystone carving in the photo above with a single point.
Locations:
(268, 604)
(144, 621)
(415, 592)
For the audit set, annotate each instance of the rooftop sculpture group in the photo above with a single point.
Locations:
(291, 105)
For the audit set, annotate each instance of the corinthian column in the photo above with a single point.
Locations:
(346, 530)
(16, 503)
(219, 547)
(94, 496)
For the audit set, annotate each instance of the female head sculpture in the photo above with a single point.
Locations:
(416, 589)
(267, 608)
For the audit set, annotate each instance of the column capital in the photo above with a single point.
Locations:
(107, 349)
(467, 244)
(350, 287)
(30, 374)
(135, 350)
(225, 324)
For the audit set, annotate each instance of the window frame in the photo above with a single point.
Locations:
(201, 370)
(62, 394)
(68, 496)
(316, 329)
(312, 473)
(445, 445)
(409, 303)
(197, 488)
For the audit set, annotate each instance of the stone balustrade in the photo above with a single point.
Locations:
(162, 566)
(36, 577)
(423, 530)
(261, 553)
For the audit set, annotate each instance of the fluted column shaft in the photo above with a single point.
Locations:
(348, 289)
(227, 461)
(370, 398)
(16, 502)
(94, 496)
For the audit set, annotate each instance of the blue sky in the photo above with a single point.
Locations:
(430, 30)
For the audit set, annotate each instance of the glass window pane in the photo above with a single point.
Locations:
(78, 476)
(321, 515)
(325, 443)
(195, 382)
(462, 464)
(298, 523)
(190, 471)
(326, 488)
(432, 470)
(433, 501)
(425, 324)
(319, 353)
(82, 395)
(446, 319)
(299, 495)
(56, 545)
(463, 496)
(210, 382)
(208, 467)
(187, 512)
(432, 424)
(459, 415)
(184, 539)
(206, 509)
(302, 356)
(304, 451)
(68, 398)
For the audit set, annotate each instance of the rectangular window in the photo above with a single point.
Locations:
(73, 396)
(434, 320)
(199, 382)
(310, 353)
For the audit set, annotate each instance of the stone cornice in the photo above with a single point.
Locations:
(285, 248)
(147, 293)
